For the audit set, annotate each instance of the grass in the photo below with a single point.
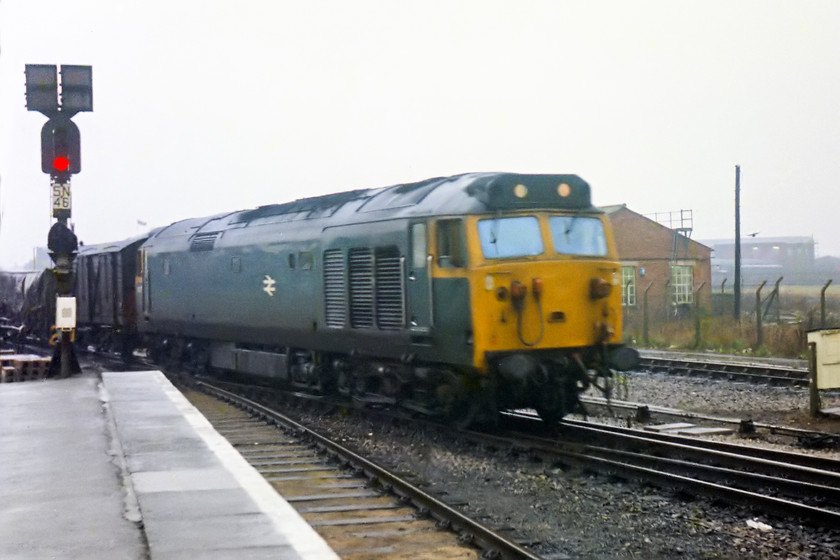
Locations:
(724, 336)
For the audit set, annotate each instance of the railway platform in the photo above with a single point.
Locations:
(124, 467)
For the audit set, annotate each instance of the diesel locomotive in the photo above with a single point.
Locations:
(458, 296)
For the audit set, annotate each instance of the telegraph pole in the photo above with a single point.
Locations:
(737, 311)
(61, 158)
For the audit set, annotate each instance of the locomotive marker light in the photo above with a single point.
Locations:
(564, 190)
(61, 158)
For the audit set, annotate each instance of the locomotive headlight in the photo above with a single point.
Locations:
(489, 283)
(520, 191)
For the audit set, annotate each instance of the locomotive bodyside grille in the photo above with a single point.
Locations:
(390, 296)
(204, 241)
(361, 288)
(335, 289)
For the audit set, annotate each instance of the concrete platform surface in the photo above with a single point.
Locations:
(127, 468)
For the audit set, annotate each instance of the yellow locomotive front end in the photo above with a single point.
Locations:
(544, 281)
(545, 290)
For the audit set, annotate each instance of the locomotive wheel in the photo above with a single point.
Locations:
(557, 400)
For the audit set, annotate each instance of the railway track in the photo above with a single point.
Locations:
(789, 375)
(786, 484)
(643, 414)
(789, 485)
(361, 510)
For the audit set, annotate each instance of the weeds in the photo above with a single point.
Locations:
(783, 333)
(724, 335)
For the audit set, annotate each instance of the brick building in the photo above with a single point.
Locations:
(668, 265)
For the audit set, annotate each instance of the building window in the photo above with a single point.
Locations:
(628, 286)
(682, 280)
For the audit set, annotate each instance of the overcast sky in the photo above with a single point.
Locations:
(208, 106)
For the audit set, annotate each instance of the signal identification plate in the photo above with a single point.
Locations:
(62, 202)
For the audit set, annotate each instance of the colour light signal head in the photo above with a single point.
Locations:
(60, 150)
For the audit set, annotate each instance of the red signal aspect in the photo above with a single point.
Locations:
(61, 163)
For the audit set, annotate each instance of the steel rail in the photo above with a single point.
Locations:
(756, 472)
(804, 435)
(771, 454)
(794, 480)
(755, 373)
(778, 506)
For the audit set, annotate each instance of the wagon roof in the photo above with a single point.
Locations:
(111, 247)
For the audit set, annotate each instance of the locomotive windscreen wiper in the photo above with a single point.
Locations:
(571, 225)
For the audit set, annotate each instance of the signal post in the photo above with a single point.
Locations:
(61, 159)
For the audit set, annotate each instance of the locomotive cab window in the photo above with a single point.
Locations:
(450, 244)
(418, 246)
(503, 238)
(578, 235)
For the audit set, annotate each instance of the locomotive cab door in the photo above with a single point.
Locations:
(419, 286)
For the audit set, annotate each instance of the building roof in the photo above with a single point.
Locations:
(789, 240)
(615, 208)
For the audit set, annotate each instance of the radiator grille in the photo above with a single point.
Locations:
(204, 241)
(335, 289)
(361, 288)
(390, 301)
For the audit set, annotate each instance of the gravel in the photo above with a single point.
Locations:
(566, 513)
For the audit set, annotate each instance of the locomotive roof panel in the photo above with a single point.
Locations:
(467, 193)
(459, 194)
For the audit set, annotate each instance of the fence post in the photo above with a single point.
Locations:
(759, 340)
(814, 392)
(778, 301)
(697, 316)
(722, 307)
(822, 304)
(645, 316)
